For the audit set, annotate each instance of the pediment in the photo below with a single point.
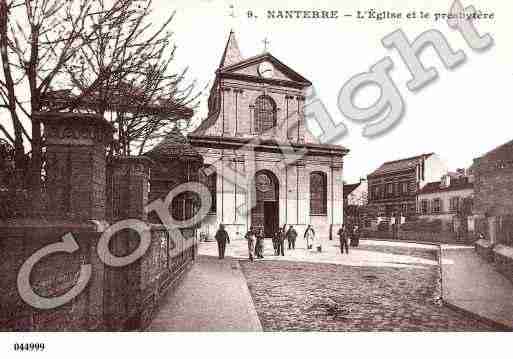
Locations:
(252, 68)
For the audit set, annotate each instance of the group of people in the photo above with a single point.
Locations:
(348, 235)
(255, 238)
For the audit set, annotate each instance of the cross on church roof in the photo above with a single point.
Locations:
(266, 42)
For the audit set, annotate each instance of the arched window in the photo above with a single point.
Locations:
(318, 193)
(265, 114)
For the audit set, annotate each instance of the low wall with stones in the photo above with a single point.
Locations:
(52, 276)
(116, 298)
(418, 236)
(85, 197)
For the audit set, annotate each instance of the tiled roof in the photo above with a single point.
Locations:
(502, 152)
(455, 185)
(174, 145)
(348, 188)
(402, 164)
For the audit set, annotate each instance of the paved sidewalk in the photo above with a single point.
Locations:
(213, 296)
(473, 285)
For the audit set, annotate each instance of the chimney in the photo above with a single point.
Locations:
(446, 181)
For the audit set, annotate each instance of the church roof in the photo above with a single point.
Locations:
(266, 56)
(231, 54)
(174, 146)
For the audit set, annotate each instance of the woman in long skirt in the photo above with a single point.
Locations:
(250, 236)
(309, 236)
(259, 248)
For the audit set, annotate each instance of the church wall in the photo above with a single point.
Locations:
(236, 119)
(233, 200)
(236, 116)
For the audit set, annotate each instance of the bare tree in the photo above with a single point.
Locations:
(140, 92)
(88, 55)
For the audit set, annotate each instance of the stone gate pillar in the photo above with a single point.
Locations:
(128, 184)
(75, 164)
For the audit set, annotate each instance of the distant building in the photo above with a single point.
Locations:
(493, 202)
(393, 187)
(355, 199)
(444, 199)
(356, 194)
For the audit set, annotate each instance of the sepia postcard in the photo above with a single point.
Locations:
(175, 167)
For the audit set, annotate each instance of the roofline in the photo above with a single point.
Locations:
(375, 172)
(235, 142)
(254, 59)
(448, 189)
(409, 158)
(494, 149)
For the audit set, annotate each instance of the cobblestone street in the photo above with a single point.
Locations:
(294, 295)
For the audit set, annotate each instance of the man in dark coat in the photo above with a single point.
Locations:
(281, 242)
(222, 238)
(342, 236)
(291, 237)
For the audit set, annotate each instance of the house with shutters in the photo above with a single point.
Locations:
(393, 186)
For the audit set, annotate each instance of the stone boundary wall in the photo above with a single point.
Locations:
(500, 255)
(417, 236)
(88, 193)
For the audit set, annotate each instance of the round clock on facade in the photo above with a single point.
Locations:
(266, 69)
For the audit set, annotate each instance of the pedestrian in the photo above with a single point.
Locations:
(342, 236)
(259, 247)
(275, 242)
(356, 235)
(250, 236)
(291, 237)
(281, 242)
(309, 236)
(222, 238)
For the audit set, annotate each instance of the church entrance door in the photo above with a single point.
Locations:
(265, 214)
(271, 223)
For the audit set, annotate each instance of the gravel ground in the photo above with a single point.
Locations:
(296, 296)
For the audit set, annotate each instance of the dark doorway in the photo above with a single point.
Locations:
(265, 213)
(270, 218)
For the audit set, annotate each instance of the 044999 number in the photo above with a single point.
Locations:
(29, 347)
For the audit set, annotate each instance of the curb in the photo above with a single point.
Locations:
(495, 324)
(492, 323)
(235, 265)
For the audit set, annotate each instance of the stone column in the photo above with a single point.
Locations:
(75, 151)
(129, 187)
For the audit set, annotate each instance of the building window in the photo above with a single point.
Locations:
(437, 207)
(424, 204)
(454, 204)
(318, 193)
(404, 187)
(265, 114)
(390, 188)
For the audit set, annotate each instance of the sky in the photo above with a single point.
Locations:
(460, 116)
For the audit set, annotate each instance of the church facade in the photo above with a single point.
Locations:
(262, 165)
